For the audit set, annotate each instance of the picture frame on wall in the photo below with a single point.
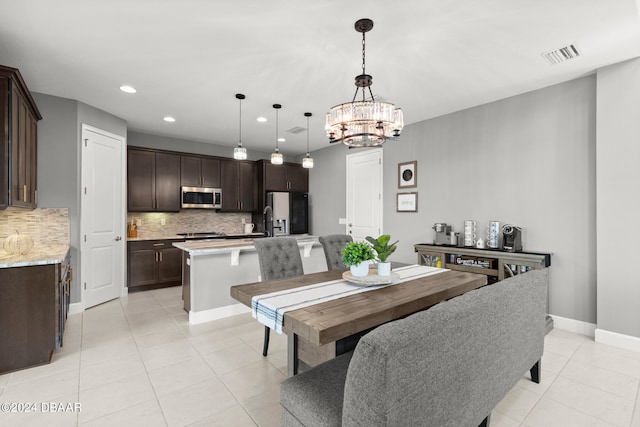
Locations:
(407, 174)
(407, 202)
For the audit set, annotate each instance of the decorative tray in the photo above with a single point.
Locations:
(372, 279)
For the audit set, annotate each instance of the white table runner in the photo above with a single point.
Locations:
(269, 308)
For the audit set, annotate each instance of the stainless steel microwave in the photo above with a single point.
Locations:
(201, 198)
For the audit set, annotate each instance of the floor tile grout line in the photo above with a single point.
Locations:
(146, 370)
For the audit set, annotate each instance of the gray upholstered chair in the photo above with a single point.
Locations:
(279, 258)
(333, 245)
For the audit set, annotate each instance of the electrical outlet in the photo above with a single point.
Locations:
(244, 221)
(342, 221)
(163, 221)
(138, 222)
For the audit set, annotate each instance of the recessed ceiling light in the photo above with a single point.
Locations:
(261, 119)
(169, 119)
(128, 89)
(281, 140)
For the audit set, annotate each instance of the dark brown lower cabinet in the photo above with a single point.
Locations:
(153, 264)
(34, 303)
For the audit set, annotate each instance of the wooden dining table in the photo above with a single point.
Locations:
(325, 330)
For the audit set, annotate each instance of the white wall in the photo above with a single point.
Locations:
(527, 160)
(618, 189)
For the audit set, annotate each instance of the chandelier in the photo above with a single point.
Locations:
(240, 153)
(365, 123)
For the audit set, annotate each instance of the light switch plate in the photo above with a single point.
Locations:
(342, 221)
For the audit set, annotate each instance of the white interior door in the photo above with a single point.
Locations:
(364, 194)
(103, 245)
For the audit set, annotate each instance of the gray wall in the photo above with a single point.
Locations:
(528, 160)
(618, 188)
(59, 156)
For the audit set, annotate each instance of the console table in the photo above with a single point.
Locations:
(495, 264)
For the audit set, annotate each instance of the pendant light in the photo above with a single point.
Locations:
(276, 156)
(240, 153)
(365, 123)
(307, 162)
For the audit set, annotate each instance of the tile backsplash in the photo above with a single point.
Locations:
(45, 226)
(187, 221)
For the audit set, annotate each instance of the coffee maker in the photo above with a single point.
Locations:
(511, 238)
(443, 232)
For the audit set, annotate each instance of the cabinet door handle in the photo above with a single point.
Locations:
(160, 256)
(24, 192)
(158, 244)
(155, 256)
(118, 238)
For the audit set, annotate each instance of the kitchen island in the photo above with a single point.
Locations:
(211, 267)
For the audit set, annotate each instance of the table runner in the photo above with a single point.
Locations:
(269, 308)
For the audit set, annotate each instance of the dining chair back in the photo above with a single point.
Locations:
(333, 245)
(279, 258)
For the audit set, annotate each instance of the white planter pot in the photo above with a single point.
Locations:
(360, 270)
(384, 269)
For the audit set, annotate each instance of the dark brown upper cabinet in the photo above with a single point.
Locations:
(153, 181)
(284, 177)
(19, 118)
(200, 171)
(239, 185)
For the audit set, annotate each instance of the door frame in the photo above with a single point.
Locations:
(84, 218)
(381, 183)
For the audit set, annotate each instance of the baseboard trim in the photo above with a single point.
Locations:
(615, 339)
(76, 308)
(571, 325)
(197, 317)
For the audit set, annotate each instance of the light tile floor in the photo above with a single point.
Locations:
(137, 362)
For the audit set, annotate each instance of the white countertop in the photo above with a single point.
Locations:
(39, 255)
(207, 247)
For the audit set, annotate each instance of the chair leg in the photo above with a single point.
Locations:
(265, 347)
(535, 372)
(485, 422)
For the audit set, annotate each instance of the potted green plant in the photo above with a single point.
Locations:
(383, 250)
(356, 256)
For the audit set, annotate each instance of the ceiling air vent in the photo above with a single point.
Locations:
(296, 129)
(562, 55)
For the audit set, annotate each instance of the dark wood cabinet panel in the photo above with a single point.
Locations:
(167, 182)
(153, 181)
(142, 267)
(275, 177)
(247, 184)
(238, 182)
(210, 172)
(200, 171)
(153, 264)
(190, 175)
(34, 309)
(284, 177)
(19, 117)
(170, 265)
(141, 165)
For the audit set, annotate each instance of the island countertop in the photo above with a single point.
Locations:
(38, 255)
(215, 246)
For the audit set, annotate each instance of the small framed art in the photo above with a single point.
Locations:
(407, 202)
(407, 174)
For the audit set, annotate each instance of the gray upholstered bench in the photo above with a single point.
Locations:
(446, 366)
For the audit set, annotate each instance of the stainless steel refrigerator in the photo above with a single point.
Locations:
(290, 213)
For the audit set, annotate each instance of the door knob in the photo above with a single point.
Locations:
(118, 238)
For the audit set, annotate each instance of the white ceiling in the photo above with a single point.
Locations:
(189, 58)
